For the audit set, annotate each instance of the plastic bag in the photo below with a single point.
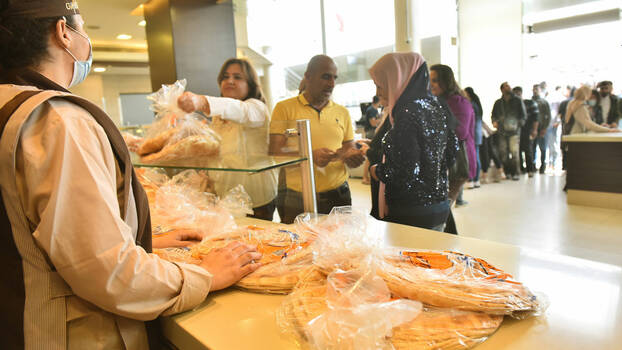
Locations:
(345, 238)
(176, 137)
(184, 202)
(350, 310)
(454, 280)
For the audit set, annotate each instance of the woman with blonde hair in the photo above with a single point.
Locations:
(577, 119)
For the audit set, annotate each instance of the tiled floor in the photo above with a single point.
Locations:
(532, 213)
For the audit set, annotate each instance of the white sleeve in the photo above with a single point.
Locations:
(582, 116)
(67, 181)
(251, 112)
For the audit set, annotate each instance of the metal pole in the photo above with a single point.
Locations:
(323, 18)
(306, 167)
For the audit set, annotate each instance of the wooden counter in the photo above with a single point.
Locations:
(585, 308)
(594, 170)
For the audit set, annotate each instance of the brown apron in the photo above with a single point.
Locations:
(12, 288)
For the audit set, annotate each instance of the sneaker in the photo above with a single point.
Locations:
(530, 174)
(471, 185)
(477, 184)
(483, 178)
(365, 182)
(542, 170)
(515, 177)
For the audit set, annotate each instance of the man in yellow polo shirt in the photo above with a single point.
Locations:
(332, 140)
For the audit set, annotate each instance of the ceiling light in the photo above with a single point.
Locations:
(99, 69)
(124, 37)
(142, 23)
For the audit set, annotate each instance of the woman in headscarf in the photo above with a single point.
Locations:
(418, 148)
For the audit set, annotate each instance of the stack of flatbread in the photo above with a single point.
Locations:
(179, 144)
(287, 256)
(458, 281)
(432, 329)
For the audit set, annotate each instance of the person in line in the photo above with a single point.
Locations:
(444, 86)
(609, 104)
(544, 121)
(76, 233)
(371, 122)
(242, 113)
(332, 137)
(488, 151)
(478, 133)
(508, 116)
(374, 156)
(418, 148)
(563, 106)
(528, 134)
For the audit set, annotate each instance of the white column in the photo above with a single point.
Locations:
(491, 46)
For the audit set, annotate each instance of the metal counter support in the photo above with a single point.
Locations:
(306, 167)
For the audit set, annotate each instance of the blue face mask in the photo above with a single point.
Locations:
(81, 69)
(591, 103)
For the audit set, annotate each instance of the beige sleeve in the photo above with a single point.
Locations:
(66, 177)
(582, 116)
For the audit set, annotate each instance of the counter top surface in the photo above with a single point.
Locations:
(594, 137)
(585, 310)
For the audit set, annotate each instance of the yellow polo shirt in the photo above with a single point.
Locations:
(330, 128)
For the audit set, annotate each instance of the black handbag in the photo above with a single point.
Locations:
(460, 169)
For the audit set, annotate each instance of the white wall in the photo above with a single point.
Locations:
(104, 90)
(491, 47)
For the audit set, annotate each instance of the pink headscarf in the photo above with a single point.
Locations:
(393, 71)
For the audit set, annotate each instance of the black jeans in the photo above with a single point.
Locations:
(488, 151)
(527, 153)
(326, 201)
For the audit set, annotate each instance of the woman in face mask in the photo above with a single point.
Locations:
(577, 118)
(594, 107)
(75, 221)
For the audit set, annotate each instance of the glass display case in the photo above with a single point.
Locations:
(245, 161)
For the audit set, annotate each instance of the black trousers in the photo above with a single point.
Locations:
(488, 151)
(527, 153)
(265, 212)
(326, 201)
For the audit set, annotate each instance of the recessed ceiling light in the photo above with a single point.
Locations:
(124, 37)
(99, 69)
(142, 23)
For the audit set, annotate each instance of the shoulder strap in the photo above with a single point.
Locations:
(8, 109)
(13, 311)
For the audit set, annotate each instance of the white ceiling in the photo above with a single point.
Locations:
(113, 17)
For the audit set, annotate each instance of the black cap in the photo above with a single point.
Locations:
(40, 8)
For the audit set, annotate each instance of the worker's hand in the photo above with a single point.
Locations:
(230, 264)
(177, 239)
(323, 156)
(190, 102)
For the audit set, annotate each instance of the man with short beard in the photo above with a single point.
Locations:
(609, 104)
(508, 116)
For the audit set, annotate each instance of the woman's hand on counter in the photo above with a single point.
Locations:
(190, 102)
(177, 239)
(230, 264)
